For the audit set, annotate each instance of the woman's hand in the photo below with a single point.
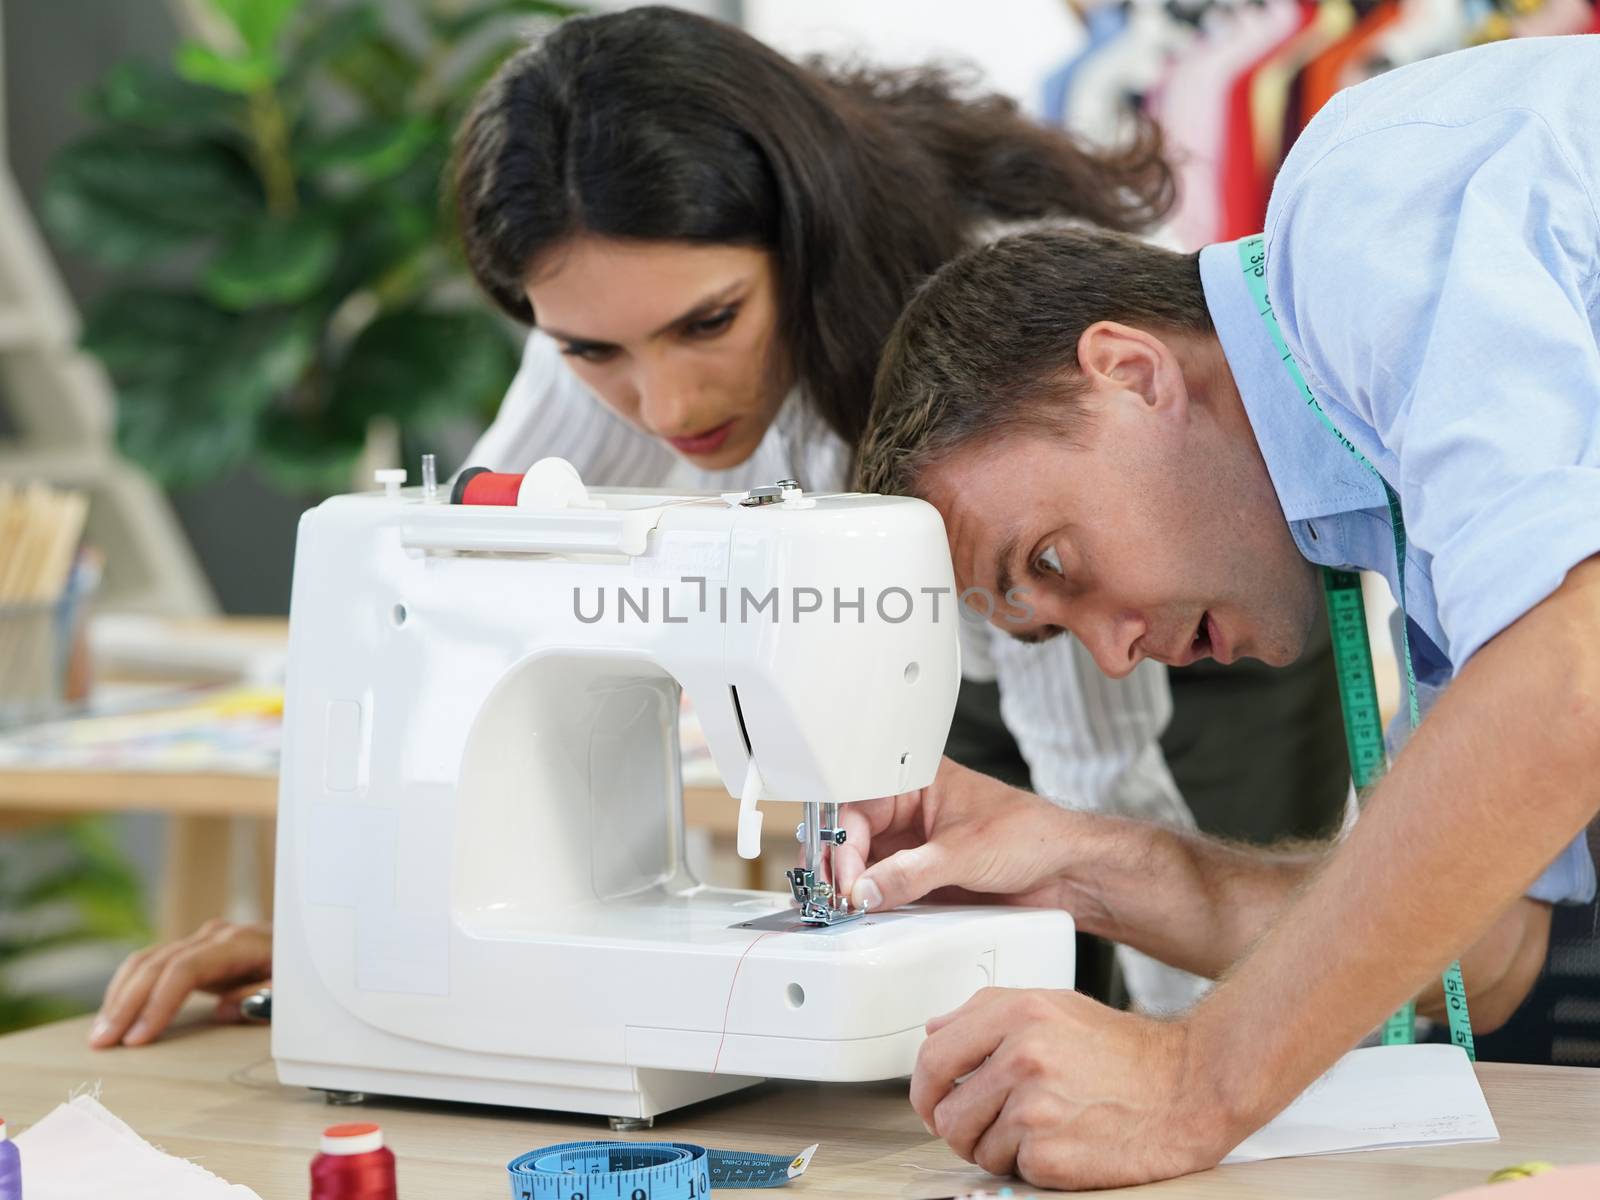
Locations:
(965, 834)
(227, 960)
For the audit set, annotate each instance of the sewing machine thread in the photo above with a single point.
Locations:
(354, 1165)
(479, 485)
(10, 1166)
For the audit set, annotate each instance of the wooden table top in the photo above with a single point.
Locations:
(225, 794)
(210, 1093)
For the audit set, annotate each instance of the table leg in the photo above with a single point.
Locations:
(197, 879)
(266, 834)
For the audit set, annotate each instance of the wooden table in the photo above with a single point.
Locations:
(211, 1093)
(202, 857)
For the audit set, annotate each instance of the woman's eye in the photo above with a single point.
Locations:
(712, 325)
(1048, 563)
(589, 353)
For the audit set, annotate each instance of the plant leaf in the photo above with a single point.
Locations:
(331, 34)
(258, 21)
(274, 262)
(414, 364)
(247, 72)
(380, 229)
(152, 333)
(126, 198)
(199, 425)
(380, 71)
(158, 175)
(307, 454)
(107, 231)
(371, 150)
(452, 26)
(151, 97)
(174, 430)
(264, 357)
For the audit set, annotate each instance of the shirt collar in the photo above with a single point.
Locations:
(1313, 475)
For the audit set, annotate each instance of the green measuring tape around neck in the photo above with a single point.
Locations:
(1358, 694)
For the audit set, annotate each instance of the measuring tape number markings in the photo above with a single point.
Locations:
(1352, 652)
(645, 1171)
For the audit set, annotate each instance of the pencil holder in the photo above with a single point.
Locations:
(43, 655)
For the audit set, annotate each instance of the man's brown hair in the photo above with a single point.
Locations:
(988, 346)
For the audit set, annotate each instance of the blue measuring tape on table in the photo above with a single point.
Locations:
(1358, 696)
(645, 1171)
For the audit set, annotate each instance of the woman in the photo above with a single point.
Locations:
(711, 243)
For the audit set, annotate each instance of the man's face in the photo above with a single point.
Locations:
(1153, 534)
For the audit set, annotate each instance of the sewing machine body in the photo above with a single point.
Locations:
(481, 891)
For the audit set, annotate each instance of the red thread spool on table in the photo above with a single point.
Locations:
(354, 1165)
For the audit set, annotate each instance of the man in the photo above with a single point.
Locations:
(1114, 428)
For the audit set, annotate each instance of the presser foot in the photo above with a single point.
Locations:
(818, 904)
(630, 1124)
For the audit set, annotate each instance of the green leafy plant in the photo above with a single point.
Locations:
(61, 887)
(273, 209)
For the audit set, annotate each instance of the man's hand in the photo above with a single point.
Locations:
(1067, 1093)
(964, 834)
(229, 961)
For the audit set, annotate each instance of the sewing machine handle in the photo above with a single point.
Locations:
(580, 531)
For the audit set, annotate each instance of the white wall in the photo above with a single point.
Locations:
(1015, 43)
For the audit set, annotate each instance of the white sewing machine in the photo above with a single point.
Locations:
(481, 887)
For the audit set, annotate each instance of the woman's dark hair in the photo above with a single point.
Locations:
(656, 124)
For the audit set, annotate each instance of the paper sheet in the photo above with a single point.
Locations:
(82, 1152)
(1378, 1098)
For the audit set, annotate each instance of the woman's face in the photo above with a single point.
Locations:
(679, 338)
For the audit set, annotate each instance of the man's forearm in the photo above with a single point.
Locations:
(1200, 904)
(1181, 897)
(1498, 780)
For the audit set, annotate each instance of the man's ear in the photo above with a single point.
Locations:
(1117, 358)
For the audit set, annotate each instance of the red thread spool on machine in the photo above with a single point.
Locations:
(478, 485)
(354, 1165)
(550, 483)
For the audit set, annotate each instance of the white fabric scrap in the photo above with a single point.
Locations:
(82, 1152)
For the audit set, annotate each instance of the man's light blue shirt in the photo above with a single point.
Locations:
(1433, 257)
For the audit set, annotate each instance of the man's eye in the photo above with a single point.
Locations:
(1048, 563)
(712, 325)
